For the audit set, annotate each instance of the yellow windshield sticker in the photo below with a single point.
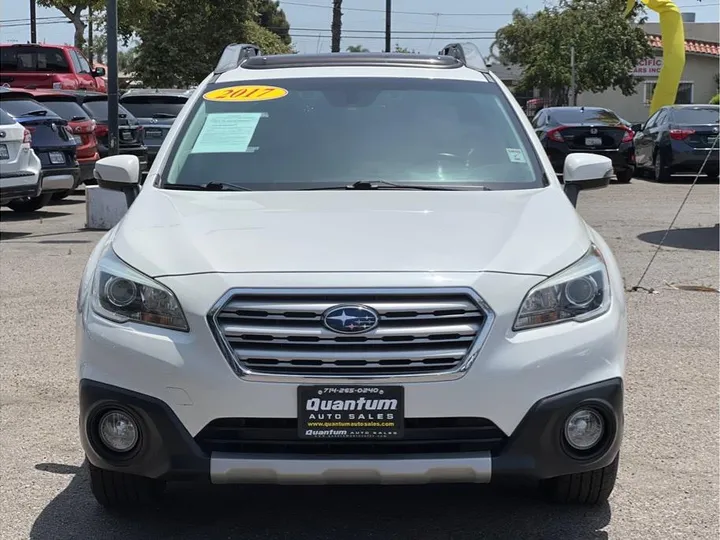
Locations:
(246, 93)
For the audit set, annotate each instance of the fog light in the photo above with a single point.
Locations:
(118, 431)
(584, 429)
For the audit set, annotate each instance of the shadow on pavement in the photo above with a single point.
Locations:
(8, 217)
(67, 202)
(318, 513)
(701, 238)
(12, 235)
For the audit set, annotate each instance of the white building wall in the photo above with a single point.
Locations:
(699, 70)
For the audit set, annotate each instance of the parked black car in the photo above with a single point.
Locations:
(53, 143)
(566, 130)
(156, 110)
(131, 136)
(677, 140)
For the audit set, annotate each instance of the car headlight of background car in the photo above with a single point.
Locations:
(122, 294)
(578, 293)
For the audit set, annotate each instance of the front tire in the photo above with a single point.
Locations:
(624, 177)
(60, 195)
(120, 490)
(30, 204)
(590, 488)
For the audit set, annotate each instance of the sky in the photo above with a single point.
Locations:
(416, 24)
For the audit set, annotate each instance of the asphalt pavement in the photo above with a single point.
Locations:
(668, 482)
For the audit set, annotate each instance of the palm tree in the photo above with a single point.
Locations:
(336, 26)
(356, 48)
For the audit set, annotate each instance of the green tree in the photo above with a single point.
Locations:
(399, 49)
(607, 47)
(269, 15)
(130, 14)
(356, 48)
(181, 42)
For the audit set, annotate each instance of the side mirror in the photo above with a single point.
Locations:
(98, 72)
(637, 128)
(585, 171)
(119, 173)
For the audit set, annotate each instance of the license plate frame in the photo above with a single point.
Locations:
(712, 139)
(350, 417)
(78, 139)
(593, 141)
(153, 133)
(125, 135)
(4, 152)
(56, 158)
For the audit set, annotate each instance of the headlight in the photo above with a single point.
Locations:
(578, 293)
(123, 294)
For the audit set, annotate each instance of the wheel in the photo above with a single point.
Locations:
(661, 171)
(120, 490)
(592, 487)
(624, 177)
(60, 195)
(30, 204)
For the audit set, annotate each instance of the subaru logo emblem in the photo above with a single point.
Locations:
(2, 134)
(350, 319)
(715, 130)
(593, 131)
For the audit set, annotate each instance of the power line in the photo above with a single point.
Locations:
(433, 14)
(366, 37)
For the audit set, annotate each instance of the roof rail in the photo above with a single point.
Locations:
(468, 54)
(233, 56)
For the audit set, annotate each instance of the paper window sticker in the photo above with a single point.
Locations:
(226, 133)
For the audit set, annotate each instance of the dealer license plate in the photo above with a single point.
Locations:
(593, 141)
(351, 412)
(4, 154)
(56, 158)
(126, 135)
(153, 133)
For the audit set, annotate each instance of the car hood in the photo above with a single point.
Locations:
(181, 232)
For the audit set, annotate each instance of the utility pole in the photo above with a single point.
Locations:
(388, 16)
(90, 37)
(112, 64)
(33, 23)
(573, 79)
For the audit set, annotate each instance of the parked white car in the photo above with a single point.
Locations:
(351, 268)
(19, 166)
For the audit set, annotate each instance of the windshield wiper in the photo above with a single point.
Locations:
(39, 112)
(384, 184)
(78, 118)
(210, 186)
(164, 115)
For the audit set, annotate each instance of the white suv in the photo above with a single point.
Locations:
(19, 165)
(351, 268)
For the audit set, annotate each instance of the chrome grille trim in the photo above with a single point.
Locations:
(277, 335)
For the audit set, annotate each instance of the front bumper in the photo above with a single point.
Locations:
(535, 450)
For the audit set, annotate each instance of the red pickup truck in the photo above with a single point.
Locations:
(60, 67)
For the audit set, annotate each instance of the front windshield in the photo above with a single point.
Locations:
(329, 132)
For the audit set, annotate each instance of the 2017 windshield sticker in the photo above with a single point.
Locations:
(246, 93)
(516, 155)
(226, 133)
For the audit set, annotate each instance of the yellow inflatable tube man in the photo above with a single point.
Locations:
(673, 44)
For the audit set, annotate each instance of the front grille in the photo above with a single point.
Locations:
(280, 436)
(283, 333)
